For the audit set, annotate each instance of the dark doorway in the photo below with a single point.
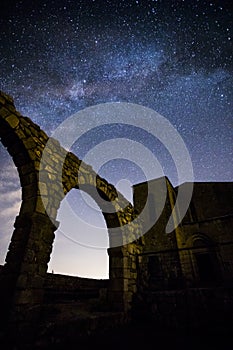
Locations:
(205, 268)
(156, 278)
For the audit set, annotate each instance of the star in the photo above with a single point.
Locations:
(60, 57)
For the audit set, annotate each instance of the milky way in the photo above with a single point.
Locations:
(58, 57)
(175, 57)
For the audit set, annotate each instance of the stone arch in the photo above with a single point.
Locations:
(199, 240)
(44, 185)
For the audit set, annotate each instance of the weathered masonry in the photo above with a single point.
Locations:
(183, 279)
(43, 188)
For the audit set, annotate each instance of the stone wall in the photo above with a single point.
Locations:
(71, 288)
(47, 173)
(190, 310)
(185, 279)
(205, 232)
(155, 240)
(138, 271)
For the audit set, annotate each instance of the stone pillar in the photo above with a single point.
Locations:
(123, 276)
(117, 286)
(25, 271)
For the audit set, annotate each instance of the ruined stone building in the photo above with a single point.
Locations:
(176, 279)
(199, 251)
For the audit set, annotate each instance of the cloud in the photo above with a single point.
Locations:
(9, 171)
(12, 211)
(6, 231)
(5, 184)
(7, 219)
(10, 189)
(10, 201)
(10, 196)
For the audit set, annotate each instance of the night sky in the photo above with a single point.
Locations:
(58, 57)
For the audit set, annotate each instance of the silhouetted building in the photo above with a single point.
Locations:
(199, 252)
(183, 277)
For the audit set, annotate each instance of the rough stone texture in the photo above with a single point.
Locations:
(205, 231)
(156, 240)
(207, 228)
(47, 173)
(185, 278)
(176, 278)
(68, 288)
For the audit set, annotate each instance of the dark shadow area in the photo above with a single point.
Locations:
(139, 335)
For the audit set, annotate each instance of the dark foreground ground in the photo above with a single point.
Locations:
(140, 335)
(144, 335)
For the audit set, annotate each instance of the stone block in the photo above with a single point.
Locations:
(4, 112)
(12, 120)
(28, 206)
(29, 296)
(121, 262)
(29, 191)
(2, 100)
(43, 189)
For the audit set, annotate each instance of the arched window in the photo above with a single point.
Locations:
(207, 265)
